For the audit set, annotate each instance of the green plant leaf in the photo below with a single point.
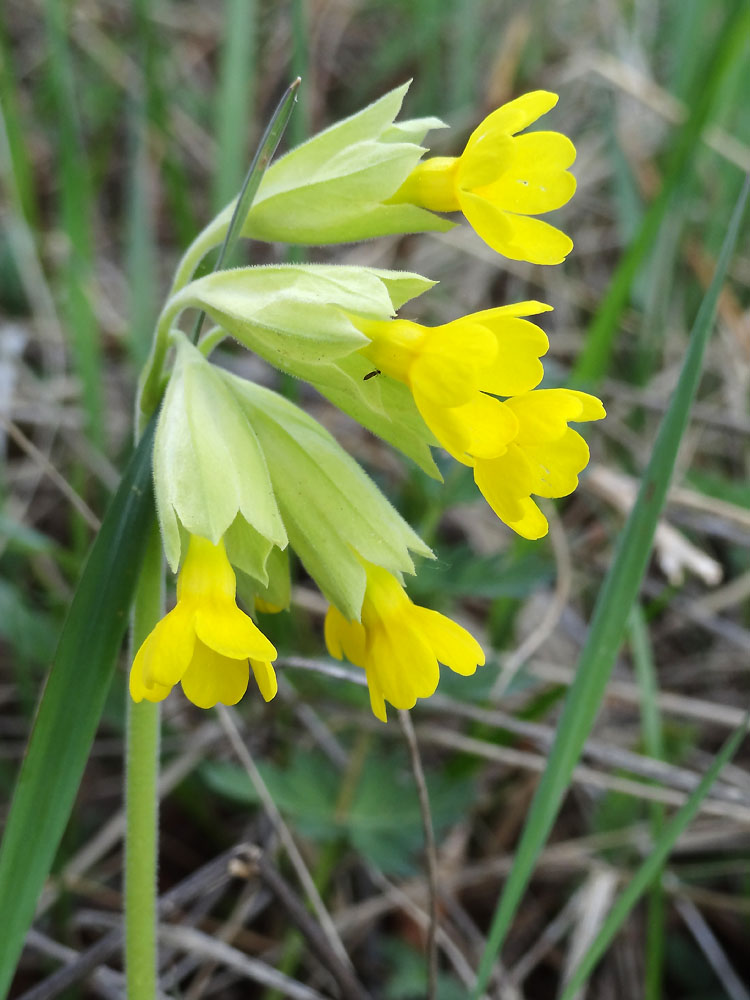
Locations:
(382, 822)
(71, 704)
(610, 615)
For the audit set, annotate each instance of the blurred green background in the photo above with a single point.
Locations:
(124, 128)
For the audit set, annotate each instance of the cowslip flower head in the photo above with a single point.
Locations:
(205, 642)
(544, 459)
(450, 370)
(399, 644)
(501, 180)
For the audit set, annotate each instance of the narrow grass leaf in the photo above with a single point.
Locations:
(263, 156)
(71, 704)
(653, 739)
(76, 202)
(593, 361)
(235, 96)
(610, 615)
(651, 867)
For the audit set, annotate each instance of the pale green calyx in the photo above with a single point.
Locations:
(210, 475)
(334, 188)
(298, 313)
(297, 318)
(332, 510)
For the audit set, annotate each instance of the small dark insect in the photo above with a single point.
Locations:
(372, 374)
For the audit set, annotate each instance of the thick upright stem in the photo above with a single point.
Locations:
(141, 800)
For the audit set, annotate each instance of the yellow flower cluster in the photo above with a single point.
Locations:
(518, 446)
(243, 473)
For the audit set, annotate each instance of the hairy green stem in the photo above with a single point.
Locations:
(141, 800)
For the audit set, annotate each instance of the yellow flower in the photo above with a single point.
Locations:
(399, 643)
(544, 458)
(205, 641)
(451, 368)
(502, 179)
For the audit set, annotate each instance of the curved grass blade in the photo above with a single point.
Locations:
(263, 156)
(71, 704)
(651, 867)
(610, 615)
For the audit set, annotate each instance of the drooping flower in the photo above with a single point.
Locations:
(335, 516)
(544, 459)
(210, 474)
(503, 179)
(205, 642)
(399, 643)
(450, 370)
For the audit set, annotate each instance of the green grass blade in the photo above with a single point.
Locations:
(20, 162)
(142, 253)
(299, 128)
(71, 704)
(235, 97)
(593, 361)
(263, 156)
(653, 739)
(610, 615)
(651, 867)
(76, 201)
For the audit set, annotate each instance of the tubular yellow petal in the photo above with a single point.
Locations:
(530, 307)
(212, 678)
(504, 482)
(265, 678)
(168, 649)
(543, 414)
(448, 369)
(537, 241)
(228, 631)
(431, 184)
(490, 223)
(534, 179)
(484, 160)
(139, 689)
(377, 702)
(591, 407)
(533, 524)
(480, 428)
(515, 115)
(515, 236)
(516, 368)
(558, 464)
(451, 644)
(206, 572)
(405, 666)
(266, 607)
(344, 638)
